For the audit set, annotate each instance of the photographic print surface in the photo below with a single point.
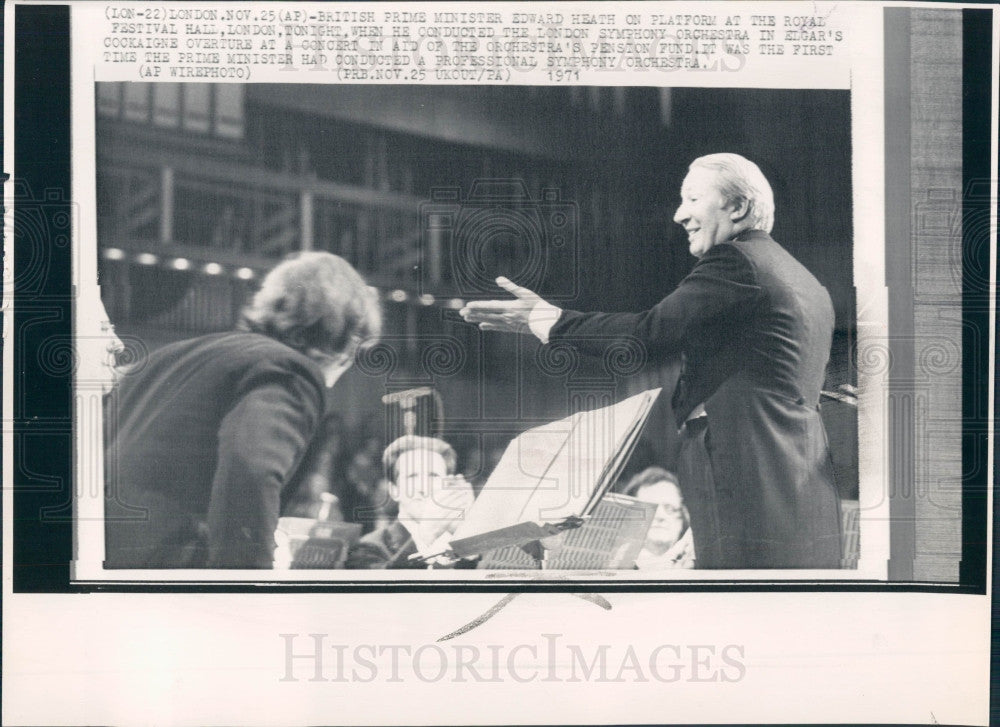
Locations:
(570, 192)
(359, 353)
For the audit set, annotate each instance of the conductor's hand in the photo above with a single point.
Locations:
(512, 316)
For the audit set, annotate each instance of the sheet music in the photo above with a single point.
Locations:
(550, 472)
(611, 539)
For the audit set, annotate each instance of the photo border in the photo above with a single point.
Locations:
(43, 550)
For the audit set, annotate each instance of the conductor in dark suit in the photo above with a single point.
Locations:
(204, 437)
(753, 329)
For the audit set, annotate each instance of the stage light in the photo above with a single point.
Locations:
(113, 253)
(212, 269)
(456, 303)
(245, 274)
(398, 296)
(427, 299)
(147, 258)
(180, 263)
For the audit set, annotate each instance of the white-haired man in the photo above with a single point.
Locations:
(204, 436)
(753, 329)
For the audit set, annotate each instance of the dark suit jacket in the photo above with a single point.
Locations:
(754, 330)
(389, 547)
(201, 441)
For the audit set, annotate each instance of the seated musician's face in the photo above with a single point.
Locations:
(668, 522)
(426, 493)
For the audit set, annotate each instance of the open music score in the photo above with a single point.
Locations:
(552, 477)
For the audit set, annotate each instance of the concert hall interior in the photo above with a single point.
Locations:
(204, 187)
